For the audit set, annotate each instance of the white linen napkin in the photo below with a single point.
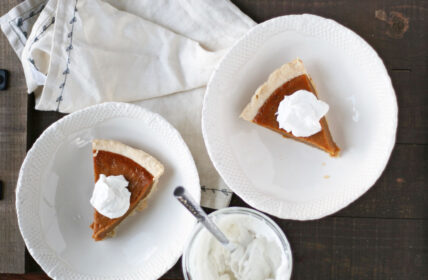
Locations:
(159, 54)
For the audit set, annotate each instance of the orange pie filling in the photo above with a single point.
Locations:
(266, 115)
(140, 182)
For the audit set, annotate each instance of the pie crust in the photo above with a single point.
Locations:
(277, 78)
(142, 158)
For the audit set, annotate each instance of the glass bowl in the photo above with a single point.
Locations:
(271, 225)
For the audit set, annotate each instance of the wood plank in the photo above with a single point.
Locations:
(395, 29)
(411, 89)
(358, 248)
(13, 125)
(38, 121)
(401, 191)
(175, 272)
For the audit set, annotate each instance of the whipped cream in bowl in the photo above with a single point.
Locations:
(264, 250)
(300, 113)
(111, 196)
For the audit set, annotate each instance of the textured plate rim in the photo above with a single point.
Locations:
(29, 221)
(314, 26)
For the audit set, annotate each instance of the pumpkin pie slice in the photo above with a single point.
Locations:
(141, 170)
(263, 106)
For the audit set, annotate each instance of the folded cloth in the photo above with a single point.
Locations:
(158, 54)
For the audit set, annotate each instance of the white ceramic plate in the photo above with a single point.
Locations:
(283, 177)
(56, 182)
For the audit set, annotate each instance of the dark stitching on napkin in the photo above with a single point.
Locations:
(44, 28)
(223, 191)
(21, 22)
(69, 48)
(32, 14)
(34, 63)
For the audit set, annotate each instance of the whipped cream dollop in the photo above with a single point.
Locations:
(260, 255)
(300, 113)
(111, 198)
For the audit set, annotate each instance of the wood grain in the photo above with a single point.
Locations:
(401, 192)
(358, 248)
(13, 126)
(38, 121)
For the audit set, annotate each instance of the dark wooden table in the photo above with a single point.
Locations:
(384, 234)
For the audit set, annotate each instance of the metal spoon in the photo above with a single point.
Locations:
(194, 208)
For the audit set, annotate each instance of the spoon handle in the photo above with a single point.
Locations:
(194, 208)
